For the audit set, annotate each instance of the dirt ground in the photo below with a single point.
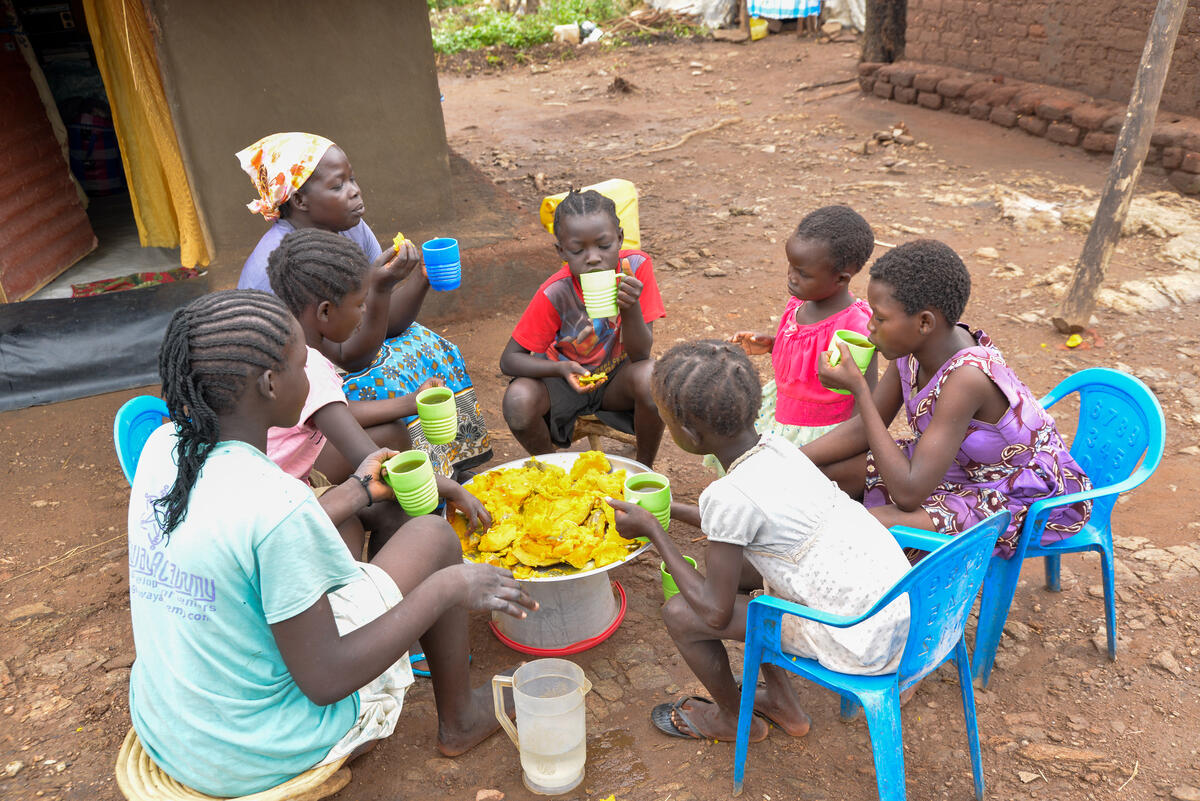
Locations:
(1058, 720)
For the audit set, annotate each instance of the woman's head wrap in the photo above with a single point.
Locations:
(278, 165)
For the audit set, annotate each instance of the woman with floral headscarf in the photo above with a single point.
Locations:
(306, 181)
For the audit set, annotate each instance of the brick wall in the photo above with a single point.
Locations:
(1091, 46)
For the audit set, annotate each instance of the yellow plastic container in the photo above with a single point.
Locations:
(758, 28)
(623, 194)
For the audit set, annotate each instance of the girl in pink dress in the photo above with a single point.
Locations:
(981, 442)
(827, 249)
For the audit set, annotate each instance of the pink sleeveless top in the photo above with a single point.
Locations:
(801, 400)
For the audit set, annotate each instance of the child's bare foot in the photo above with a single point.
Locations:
(701, 719)
(481, 723)
(787, 715)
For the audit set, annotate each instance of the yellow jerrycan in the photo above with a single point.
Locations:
(623, 193)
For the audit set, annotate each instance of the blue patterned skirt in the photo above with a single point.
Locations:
(401, 366)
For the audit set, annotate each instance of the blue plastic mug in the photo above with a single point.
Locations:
(443, 265)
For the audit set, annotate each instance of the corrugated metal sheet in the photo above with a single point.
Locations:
(43, 229)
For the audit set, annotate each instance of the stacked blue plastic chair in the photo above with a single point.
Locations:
(1120, 425)
(135, 422)
(941, 590)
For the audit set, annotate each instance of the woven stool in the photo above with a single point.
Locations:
(142, 780)
(590, 426)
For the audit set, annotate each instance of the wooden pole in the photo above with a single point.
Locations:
(1128, 157)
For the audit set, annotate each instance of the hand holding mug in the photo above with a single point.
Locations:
(430, 383)
(634, 522)
(372, 466)
(629, 290)
(844, 375)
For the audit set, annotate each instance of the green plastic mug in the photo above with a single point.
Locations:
(410, 475)
(652, 492)
(599, 293)
(668, 581)
(438, 414)
(861, 350)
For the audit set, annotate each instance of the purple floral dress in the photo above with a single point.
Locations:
(1004, 465)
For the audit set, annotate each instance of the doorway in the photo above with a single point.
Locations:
(58, 35)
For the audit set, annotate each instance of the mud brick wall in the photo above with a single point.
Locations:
(1064, 116)
(1091, 46)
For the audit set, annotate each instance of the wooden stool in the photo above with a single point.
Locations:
(141, 780)
(590, 426)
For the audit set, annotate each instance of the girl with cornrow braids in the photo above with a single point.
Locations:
(263, 648)
(774, 524)
(320, 276)
(306, 182)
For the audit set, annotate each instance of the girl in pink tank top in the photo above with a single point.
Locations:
(827, 249)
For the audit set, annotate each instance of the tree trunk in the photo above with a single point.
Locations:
(883, 39)
(1130, 153)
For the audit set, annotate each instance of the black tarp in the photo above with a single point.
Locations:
(56, 350)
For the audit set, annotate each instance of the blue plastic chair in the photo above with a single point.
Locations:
(941, 590)
(1120, 425)
(135, 422)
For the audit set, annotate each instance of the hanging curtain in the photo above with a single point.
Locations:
(158, 184)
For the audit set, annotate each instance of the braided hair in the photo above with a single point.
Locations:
(578, 204)
(844, 231)
(213, 348)
(312, 265)
(925, 274)
(708, 382)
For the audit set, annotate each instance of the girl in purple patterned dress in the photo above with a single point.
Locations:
(981, 441)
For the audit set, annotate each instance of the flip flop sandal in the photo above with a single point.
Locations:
(413, 659)
(663, 718)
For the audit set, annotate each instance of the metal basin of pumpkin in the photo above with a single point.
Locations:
(576, 606)
(553, 535)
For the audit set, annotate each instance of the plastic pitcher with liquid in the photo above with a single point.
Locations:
(550, 732)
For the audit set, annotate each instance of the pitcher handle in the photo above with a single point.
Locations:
(498, 683)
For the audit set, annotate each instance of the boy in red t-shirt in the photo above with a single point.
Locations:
(555, 344)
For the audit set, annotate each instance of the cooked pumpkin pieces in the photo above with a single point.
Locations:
(398, 241)
(592, 378)
(546, 520)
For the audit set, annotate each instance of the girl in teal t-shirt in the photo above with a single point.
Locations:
(263, 647)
